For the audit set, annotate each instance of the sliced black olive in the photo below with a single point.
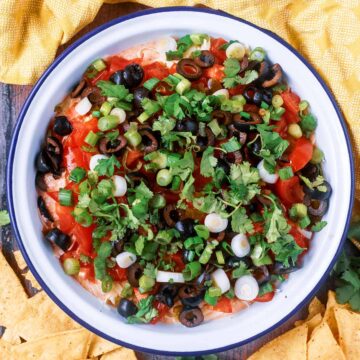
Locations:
(167, 294)
(223, 117)
(262, 274)
(118, 78)
(276, 75)
(205, 141)
(185, 227)
(43, 163)
(267, 96)
(133, 75)
(93, 93)
(188, 255)
(134, 273)
(264, 72)
(53, 146)
(234, 157)
(214, 85)
(107, 146)
(40, 182)
(318, 207)
(62, 126)
(188, 125)
(189, 69)
(223, 165)
(205, 60)
(78, 89)
(320, 195)
(311, 171)
(233, 261)
(280, 269)
(172, 215)
(43, 209)
(140, 94)
(243, 124)
(117, 247)
(58, 238)
(191, 317)
(253, 95)
(126, 308)
(191, 295)
(136, 178)
(240, 135)
(149, 141)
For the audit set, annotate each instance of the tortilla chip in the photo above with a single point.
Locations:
(12, 294)
(349, 332)
(291, 345)
(11, 337)
(313, 323)
(5, 350)
(100, 346)
(21, 263)
(41, 317)
(323, 346)
(316, 307)
(34, 283)
(329, 316)
(65, 345)
(120, 354)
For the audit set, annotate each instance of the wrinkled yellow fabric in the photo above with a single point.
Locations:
(326, 32)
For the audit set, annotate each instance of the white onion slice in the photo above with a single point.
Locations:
(222, 92)
(168, 276)
(236, 51)
(125, 259)
(221, 280)
(83, 106)
(120, 185)
(95, 159)
(265, 175)
(215, 223)
(246, 288)
(119, 113)
(240, 245)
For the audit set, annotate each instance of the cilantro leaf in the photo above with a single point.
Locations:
(188, 189)
(249, 77)
(286, 250)
(183, 167)
(319, 226)
(139, 200)
(4, 218)
(240, 270)
(276, 225)
(106, 167)
(164, 124)
(209, 204)
(103, 253)
(146, 312)
(231, 67)
(111, 90)
(208, 162)
(240, 222)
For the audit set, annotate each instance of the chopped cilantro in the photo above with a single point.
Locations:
(4, 218)
(208, 162)
(106, 167)
(109, 89)
(146, 312)
(318, 226)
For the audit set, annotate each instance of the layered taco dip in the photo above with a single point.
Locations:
(180, 180)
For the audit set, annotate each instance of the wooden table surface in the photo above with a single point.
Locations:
(12, 98)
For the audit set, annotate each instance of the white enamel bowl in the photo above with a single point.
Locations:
(61, 76)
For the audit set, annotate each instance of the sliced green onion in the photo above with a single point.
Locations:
(214, 127)
(106, 283)
(286, 173)
(133, 136)
(146, 283)
(211, 300)
(192, 270)
(150, 106)
(82, 217)
(158, 159)
(277, 101)
(227, 248)
(220, 257)
(206, 254)
(192, 242)
(202, 231)
(77, 174)
(258, 54)
(65, 197)
(214, 291)
(96, 113)
(143, 117)
(176, 182)
(164, 177)
(303, 105)
(105, 108)
(245, 115)
(71, 266)
(99, 65)
(304, 222)
(317, 156)
(108, 122)
(308, 123)
(183, 86)
(295, 131)
(298, 210)
(151, 83)
(157, 201)
(91, 138)
(264, 105)
(232, 145)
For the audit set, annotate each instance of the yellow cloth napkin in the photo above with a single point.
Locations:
(326, 32)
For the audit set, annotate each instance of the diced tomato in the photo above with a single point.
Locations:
(162, 311)
(237, 90)
(299, 238)
(133, 157)
(258, 227)
(251, 108)
(291, 105)
(177, 259)
(118, 63)
(215, 72)
(301, 154)
(290, 191)
(155, 69)
(80, 131)
(87, 272)
(102, 75)
(223, 305)
(74, 157)
(281, 127)
(65, 219)
(266, 297)
(215, 49)
(83, 236)
(117, 273)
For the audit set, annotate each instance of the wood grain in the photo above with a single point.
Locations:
(12, 98)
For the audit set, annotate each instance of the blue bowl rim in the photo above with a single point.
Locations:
(22, 115)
